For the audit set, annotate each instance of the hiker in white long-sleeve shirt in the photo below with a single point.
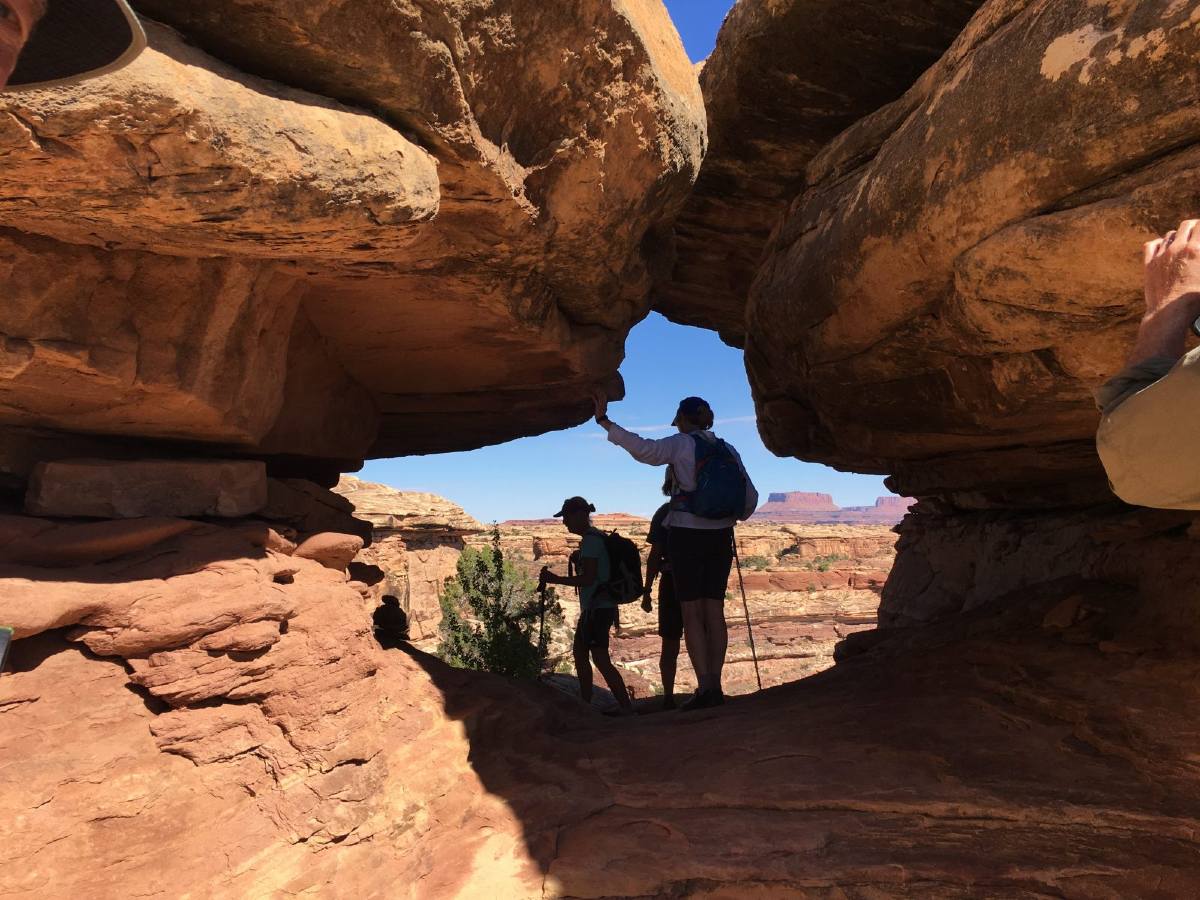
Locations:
(711, 491)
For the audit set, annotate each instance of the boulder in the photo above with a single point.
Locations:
(150, 487)
(330, 549)
(315, 238)
(785, 77)
(964, 267)
(193, 157)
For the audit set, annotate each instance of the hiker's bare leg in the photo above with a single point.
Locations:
(583, 671)
(667, 661)
(718, 636)
(611, 676)
(695, 638)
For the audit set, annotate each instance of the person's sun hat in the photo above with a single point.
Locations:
(690, 407)
(78, 39)
(574, 504)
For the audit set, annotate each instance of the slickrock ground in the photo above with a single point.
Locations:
(150, 748)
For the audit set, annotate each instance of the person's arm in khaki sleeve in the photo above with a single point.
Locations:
(1149, 436)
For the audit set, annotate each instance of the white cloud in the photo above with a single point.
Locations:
(663, 429)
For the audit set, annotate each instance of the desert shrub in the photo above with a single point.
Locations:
(825, 563)
(490, 616)
(757, 563)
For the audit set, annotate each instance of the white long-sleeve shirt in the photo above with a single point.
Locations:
(679, 452)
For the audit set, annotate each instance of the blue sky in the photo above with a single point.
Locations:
(526, 479)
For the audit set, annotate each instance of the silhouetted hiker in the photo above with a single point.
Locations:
(1149, 431)
(391, 622)
(710, 491)
(597, 612)
(51, 42)
(670, 616)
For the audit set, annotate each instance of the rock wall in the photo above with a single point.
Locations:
(284, 225)
(784, 79)
(417, 540)
(958, 269)
(964, 266)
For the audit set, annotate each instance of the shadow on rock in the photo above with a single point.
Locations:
(1004, 755)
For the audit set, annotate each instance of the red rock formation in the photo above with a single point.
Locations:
(799, 501)
(401, 261)
(310, 749)
(417, 540)
(785, 78)
(196, 708)
(929, 283)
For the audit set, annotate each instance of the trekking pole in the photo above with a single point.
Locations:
(746, 610)
(541, 615)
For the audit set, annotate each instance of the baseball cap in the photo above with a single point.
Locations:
(78, 39)
(574, 504)
(690, 407)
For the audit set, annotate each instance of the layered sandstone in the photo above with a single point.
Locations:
(417, 540)
(951, 286)
(229, 682)
(784, 79)
(314, 236)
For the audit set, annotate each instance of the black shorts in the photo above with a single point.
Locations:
(670, 616)
(592, 631)
(700, 562)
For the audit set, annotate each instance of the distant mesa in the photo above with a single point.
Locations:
(802, 508)
(600, 520)
(801, 500)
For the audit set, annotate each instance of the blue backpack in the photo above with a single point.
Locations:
(720, 485)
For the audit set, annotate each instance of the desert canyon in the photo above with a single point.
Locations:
(294, 236)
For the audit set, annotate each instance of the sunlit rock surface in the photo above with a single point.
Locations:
(786, 76)
(196, 708)
(418, 538)
(209, 715)
(322, 233)
(964, 267)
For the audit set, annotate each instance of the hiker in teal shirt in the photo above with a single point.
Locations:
(597, 610)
